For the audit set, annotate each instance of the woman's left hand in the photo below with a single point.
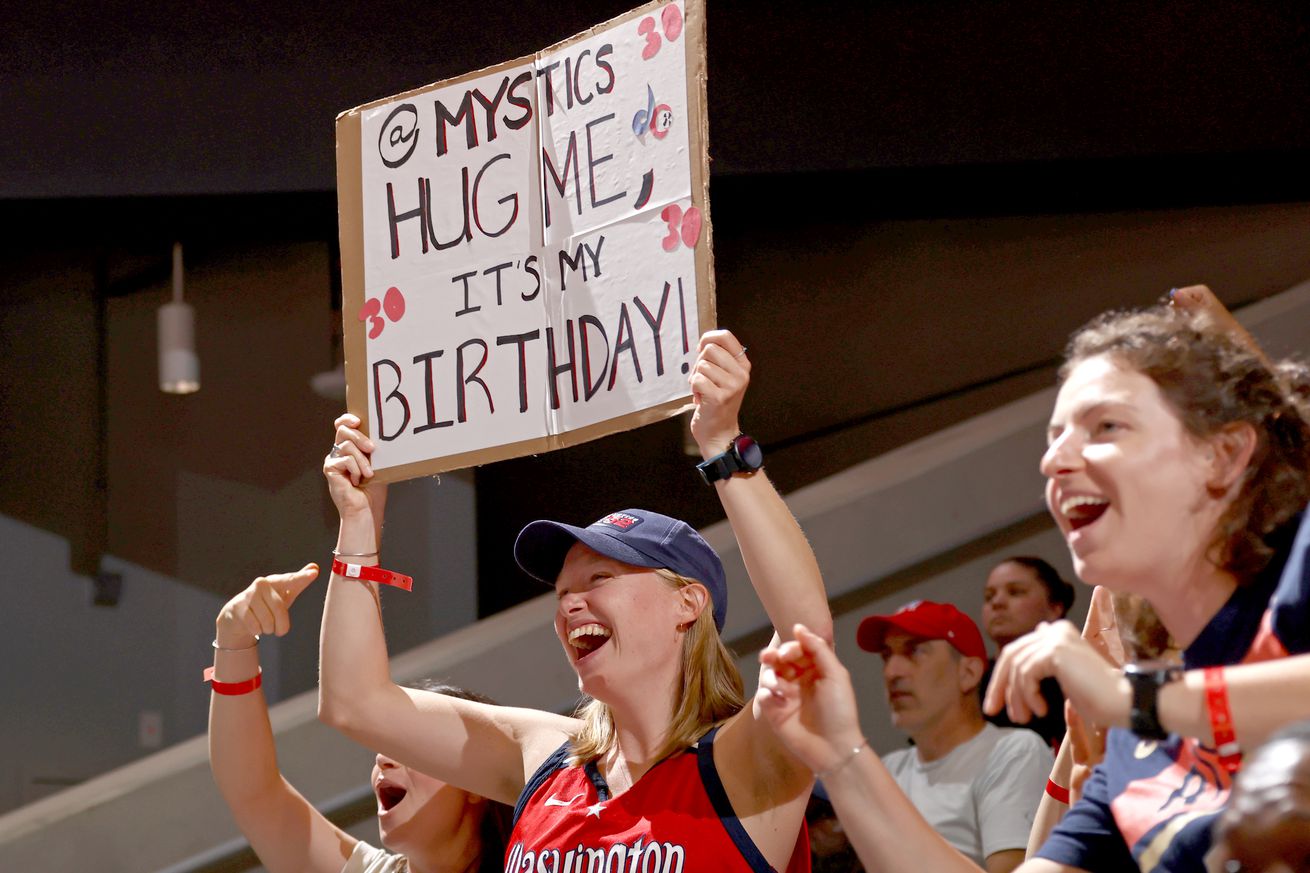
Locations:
(718, 386)
(806, 696)
(1097, 689)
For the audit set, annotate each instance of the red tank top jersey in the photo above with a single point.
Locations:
(676, 819)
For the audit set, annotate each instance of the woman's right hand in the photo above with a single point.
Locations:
(348, 469)
(263, 608)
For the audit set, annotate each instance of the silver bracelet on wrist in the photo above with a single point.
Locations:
(337, 554)
(219, 648)
(841, 765)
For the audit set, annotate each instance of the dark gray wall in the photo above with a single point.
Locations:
(124, 97)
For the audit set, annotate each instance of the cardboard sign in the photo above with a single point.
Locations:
(525, 250)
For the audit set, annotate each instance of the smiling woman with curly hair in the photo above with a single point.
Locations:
(1177, 470)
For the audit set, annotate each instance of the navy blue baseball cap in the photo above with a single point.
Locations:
(634, 536)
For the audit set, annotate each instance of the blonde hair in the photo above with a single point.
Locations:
(710, 692)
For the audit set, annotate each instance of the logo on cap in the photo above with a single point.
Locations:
(621, 520)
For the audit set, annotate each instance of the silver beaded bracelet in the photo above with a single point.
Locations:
(337, 554)
(840, 765)
(240, 649)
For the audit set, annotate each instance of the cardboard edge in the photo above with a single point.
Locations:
(350, 230)
(696, 46)
(351, 235)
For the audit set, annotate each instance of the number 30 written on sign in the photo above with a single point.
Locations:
(671, 18)
(684, 227)
(393, 304)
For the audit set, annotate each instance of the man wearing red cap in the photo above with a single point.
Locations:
(977, 784)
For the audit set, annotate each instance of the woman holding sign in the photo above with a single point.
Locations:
(665, 767)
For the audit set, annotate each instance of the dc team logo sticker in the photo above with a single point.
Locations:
(620, 520)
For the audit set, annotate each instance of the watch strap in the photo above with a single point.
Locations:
(719, 467)
(726, 463)
(1144, 716)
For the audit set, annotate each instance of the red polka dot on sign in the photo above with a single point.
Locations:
(394, 304)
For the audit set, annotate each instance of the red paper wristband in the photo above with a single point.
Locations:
(232, 689)
(372, 574)
(1221, 719)
(1057, 791)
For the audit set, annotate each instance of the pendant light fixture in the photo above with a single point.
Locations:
(179, 366)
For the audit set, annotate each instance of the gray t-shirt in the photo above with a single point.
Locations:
(983, 794)
(368, 859)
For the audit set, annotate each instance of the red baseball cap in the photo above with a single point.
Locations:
(926, 619)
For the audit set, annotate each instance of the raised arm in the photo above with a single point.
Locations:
(778, 558)
(488, 750)
(283, 828)
(807, 697)
(767, 785)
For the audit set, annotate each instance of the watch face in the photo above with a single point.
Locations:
(752, 457)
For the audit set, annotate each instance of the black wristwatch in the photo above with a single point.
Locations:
(1146, 679)
(743, 456)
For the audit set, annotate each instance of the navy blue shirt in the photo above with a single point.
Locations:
(1150, 805)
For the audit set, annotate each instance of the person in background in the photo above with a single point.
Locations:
(1021, 592)
(830, 850)
(426, 825)
(1266, 827)
(978, 785)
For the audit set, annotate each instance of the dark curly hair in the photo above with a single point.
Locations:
(1213, 380)
(1058, 591)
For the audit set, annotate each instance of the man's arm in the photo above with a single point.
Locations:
(1008, 792)
(1004, 861)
